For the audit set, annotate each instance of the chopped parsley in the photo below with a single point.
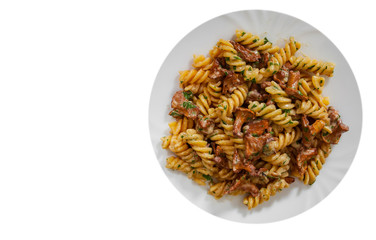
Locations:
(188, 105)
(265, 40)
(243, 34)
(174, 113)
(207, 177)
(188, 95)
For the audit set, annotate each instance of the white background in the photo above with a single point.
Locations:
(76, 161)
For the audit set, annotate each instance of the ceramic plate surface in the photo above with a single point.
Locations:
(342, 90)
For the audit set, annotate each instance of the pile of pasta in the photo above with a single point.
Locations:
(251, 118)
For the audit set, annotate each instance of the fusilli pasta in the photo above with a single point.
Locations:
(251, 118)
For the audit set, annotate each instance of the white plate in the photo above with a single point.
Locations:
(341, 88)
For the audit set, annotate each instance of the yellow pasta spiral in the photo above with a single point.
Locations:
(219, 189)
(254, 42)
(315, 165)
(279, 159)
(231, 56)
(166, 141)
(279, 96)
(203, 62)
(286, 138)
(193, 77)
(312, 110)
(270, 112)
(308, 89)
(182, 150)
(237, 98)
(196, 174)
(284, 54)
(312, 65)
(215, 91)
(224, 141)
(200, 146)
(180, 125)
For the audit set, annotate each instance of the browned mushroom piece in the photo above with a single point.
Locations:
(282, 77)
(217, 71)
(231, 81)
(310, 131)
(303, 156)
(255, 139)
(292, 88)
(220, 157)
(255, 144)
(256, 127)
(265, 84)
(242, 115)
(256, 93)
(204, 125)
(336, 125)
(264, 60)
(246, 54)
(243, 185)
(240, 163)
(289, 180)
(181, 103)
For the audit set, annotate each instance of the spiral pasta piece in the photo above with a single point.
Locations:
(284, 54)
(312, 110)
(200, 61)
(312, 65)
(214, 90)
(200, 146)
(237, 64)
(286, 138)
(231, 56)
(166, 141)
(180, 125)
(279, 96)
(315, 165)
(237, 98)
(270, 112)
(196, 174)
(192, 77)
(269, 152)
(265, 193)
(203, 101)
(183, 151)
(254, 42)
(278, 159)
(219, 189)
(224, 141)
(313, 94)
